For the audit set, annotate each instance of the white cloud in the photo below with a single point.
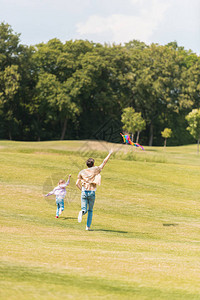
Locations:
(124, 28)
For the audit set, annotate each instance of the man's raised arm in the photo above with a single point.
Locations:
(106, 159)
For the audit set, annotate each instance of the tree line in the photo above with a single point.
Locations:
(59, 90)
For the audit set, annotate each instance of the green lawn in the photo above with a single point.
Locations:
(145, 242)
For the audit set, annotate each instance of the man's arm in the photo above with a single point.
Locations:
(78, 184)
(106, 159)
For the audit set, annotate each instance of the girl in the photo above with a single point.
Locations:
(60, 192)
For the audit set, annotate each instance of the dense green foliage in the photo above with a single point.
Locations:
(58, 90)
(166, 133)
(193, 119)
(132, 122)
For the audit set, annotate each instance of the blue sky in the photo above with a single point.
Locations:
(119, 21)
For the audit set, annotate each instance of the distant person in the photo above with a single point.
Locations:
(87, 183)
(60, 192)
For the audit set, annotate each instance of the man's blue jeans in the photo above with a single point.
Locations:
(87, 203)
(60, 204)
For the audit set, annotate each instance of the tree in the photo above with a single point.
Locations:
(53, 104)
(98, 85)
(133, 122)
(9, 46)
(11, 79)
(44, 113)
(193, 119)
(68, 109)
(17, 81)
(166, 133)
(191, 82)
(155, 83)
(140, 124)
(69, 89)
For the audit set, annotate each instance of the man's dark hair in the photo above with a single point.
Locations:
(90, 162)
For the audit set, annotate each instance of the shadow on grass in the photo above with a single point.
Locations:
(109, 230)
(67, 218)
(170, 224)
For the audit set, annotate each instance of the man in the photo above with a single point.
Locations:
(87, 183)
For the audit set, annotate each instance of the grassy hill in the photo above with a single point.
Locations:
(146, 225)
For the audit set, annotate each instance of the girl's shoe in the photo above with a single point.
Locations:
(56, 217)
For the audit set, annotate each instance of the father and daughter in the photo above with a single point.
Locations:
(87, 182)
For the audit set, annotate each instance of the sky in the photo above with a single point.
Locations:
(105, 21)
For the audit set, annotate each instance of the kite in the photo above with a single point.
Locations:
(127, 140)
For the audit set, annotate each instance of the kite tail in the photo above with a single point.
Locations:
(138, 145)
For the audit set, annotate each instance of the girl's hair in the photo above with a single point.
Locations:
(61, 181)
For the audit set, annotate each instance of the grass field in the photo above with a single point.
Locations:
(145, 242)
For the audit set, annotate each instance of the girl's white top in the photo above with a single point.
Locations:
(60, 190)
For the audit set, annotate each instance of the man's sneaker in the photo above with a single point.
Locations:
(60, 211)
(80, 216)
(87, 228)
